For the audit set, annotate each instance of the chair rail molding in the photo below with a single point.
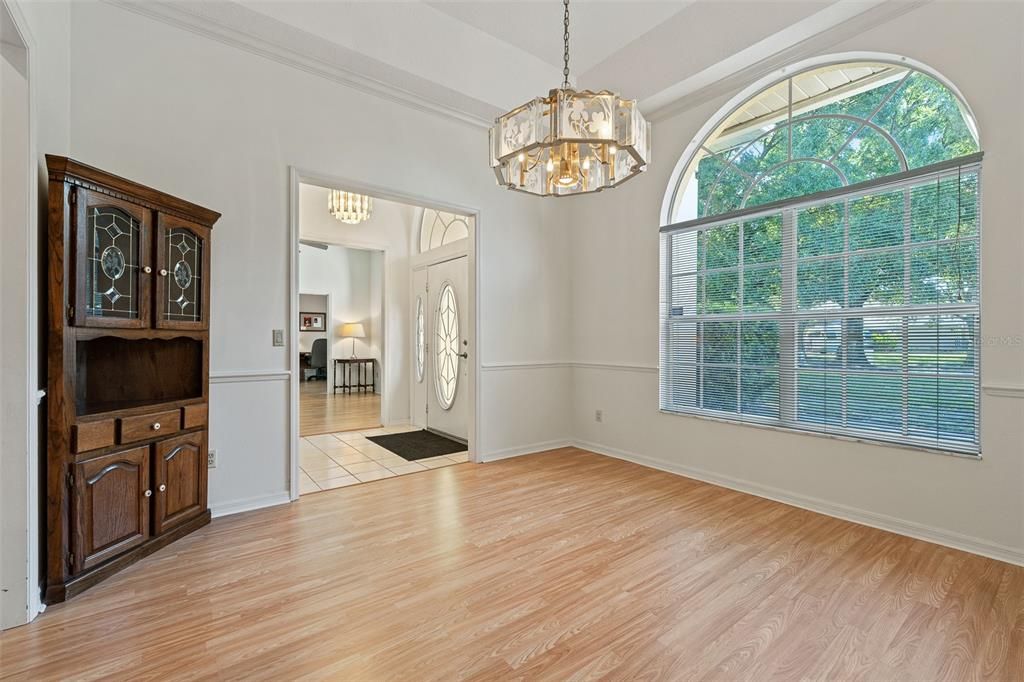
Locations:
(243, 375)
(1003, 390)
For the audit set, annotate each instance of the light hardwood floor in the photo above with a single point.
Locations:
(321, 411)
(563, 565)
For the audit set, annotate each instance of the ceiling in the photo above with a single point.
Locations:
(476, 59)
(598, 28)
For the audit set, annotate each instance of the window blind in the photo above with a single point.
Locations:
(852, 312)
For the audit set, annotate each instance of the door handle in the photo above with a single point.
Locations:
(464, 355)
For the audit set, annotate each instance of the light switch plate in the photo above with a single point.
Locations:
(278, 337)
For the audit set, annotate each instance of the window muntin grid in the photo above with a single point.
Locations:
(438, 228)
(889, 119)
(867, 325)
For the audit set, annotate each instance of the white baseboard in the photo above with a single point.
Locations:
(840, 511)
(249, 504)
(523, 450)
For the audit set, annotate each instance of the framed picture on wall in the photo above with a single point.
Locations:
(312, 322)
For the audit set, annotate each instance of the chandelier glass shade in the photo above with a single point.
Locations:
(349, 207)
(570, 142)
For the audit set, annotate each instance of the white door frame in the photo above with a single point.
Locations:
(19, 499)
(299, 176)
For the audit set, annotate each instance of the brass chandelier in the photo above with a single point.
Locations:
(349, 207)
(570, 142)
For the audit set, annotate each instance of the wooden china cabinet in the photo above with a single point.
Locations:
(128, 373)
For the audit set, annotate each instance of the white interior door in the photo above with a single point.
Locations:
(447, 380)
(420, 343)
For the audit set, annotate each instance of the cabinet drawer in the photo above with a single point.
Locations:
(149, 425)
(194, 415)
(93, 435)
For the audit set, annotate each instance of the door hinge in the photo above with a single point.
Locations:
(72, 196)
(71, 561)
(70, 479)
(71, 312)
(426, 408)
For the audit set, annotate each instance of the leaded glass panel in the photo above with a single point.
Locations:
(113, 238)
(446, 346)
(184, 287)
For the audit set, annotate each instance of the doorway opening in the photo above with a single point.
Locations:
(340, 338)
(385, 323)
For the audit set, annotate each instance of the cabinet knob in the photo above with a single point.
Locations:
(163, 272)
(163, 487)
(148, 493)
(156, 426)
(147, 269)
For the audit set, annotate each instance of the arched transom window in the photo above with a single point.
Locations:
(821, 268)
(822, 129)
(438, 228)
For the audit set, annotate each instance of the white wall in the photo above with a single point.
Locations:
(15, 196)
(45, 30)
(977, 504)
(220, 127)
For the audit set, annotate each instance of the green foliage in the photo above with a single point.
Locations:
(921, 115)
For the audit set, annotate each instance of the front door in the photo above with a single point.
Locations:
(447, 364)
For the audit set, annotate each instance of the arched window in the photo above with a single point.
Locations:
(438, 228)
(820, 270)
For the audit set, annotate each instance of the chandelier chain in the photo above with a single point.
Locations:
(565, 37)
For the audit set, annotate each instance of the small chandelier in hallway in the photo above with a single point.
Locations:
(570, 142)
(349, 207)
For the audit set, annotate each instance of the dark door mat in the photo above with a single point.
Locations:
(414, 445)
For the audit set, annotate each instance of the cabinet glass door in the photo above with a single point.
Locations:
(112, 282)
(183, 263)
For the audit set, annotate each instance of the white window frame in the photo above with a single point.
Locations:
(788, 313)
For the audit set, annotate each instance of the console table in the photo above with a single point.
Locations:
(355, 368)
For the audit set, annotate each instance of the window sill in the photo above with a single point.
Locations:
(833, 436)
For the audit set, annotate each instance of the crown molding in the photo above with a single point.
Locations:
(817, 34)
(242, 28)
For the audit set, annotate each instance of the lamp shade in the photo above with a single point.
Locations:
(352, 330)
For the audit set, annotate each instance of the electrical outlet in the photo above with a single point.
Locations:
(599, 415)
(211, 459)
(278, 337)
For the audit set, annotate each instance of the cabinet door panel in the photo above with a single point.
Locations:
(183, 266)
(111, 506)
(112, 255)
(180, 480)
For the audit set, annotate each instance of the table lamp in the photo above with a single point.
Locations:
(352, 330)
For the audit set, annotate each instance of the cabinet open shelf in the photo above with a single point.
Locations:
(114, 373)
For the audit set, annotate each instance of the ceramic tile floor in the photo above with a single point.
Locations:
(333, 460)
